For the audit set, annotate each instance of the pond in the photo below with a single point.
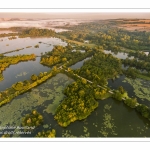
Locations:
(23, 70)
(121, 55)
(45, 99)
(20, 72)
(79, 64)
(110, 119)
(46, 44)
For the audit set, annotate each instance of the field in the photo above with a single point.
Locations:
(132, 25)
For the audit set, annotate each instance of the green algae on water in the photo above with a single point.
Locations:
(141, 88)
(12, 113)
(108, 127)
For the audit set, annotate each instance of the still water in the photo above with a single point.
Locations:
(79, 64)
(24, 70)
(46, 44)
(110, 119)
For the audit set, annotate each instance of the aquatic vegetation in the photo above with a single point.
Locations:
(108, 127)
(141, 90)
(67, 133)
(86, 132)
(57, 93)
(51, 108)
(107, 107)
(96, 125)
(21, 74)
(49, 133)
(29, 101)
(32, 100)
(13, 116)
(45, 126)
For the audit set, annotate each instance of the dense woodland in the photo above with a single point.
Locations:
(108, 36)
(64, 56)
(79, 103)
(28, 32)
(139, 55)
(100, 68)
(139, 64)
(35, 32)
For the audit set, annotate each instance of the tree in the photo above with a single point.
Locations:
(41, 75)
(34, 112)
(54, 68)
(144, 110)
(131, 102)
(117, 95)
(81, 93)
(121, 90)
(26, 83)
(84, 81)
(64, 59)
(18, 86)
(0, 95)
(34, 77)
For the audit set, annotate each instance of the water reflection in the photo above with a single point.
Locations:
(79, 64)
(23, 70)
(120, 55)
(82, 51)
(46, 45)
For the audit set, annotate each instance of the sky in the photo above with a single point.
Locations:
(76, 15)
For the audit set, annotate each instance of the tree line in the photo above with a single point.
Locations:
(100, 68)
(6, 61)
(35, 32)
(21, 87)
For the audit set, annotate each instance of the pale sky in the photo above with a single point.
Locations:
(77, 15)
